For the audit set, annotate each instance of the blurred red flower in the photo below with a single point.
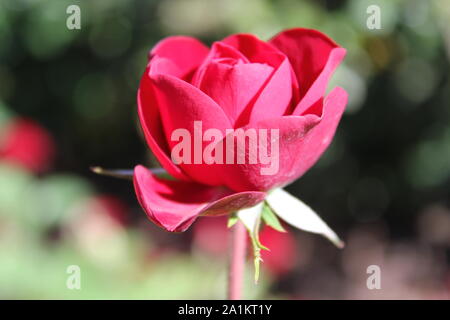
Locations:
(26, 143)
(282, 256)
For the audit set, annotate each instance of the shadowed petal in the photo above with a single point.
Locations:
(150, 119)
(318, 88)
(182, 104)
(174, 205)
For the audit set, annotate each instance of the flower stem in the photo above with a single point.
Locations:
(238, 250)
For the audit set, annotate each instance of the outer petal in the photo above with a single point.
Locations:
(186, 53)
(150, 119)
(321, 136)
(302, 140)
(181, 104)
(292, 131)
(177, 56)
(309, 51)
(174, 205)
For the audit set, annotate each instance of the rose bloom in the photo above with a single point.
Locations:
(27, 144)
(240, 82)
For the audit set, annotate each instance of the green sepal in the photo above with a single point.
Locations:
(270, 218)
(232, 219)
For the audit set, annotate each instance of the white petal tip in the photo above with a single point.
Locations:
(300, 216)
(339, 243)
(334, 239)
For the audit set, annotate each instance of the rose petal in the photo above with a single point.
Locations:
(291, 133)
(150, 119)
(275, 95)
(181, 104)
(254, 49)
(230, 80)
(302, 140)
(320, 137)
(186, 53)
(174, 205)
(309, 51)
(318, 88)
(274, 98)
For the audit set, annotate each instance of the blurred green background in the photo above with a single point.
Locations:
(69, 96)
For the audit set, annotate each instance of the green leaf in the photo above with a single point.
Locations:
(271, 219)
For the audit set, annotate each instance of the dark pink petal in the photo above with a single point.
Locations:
(180, 105)
(320, 137)
(174, 205)
(318, 88)
(309, 51)
(150, 119)
(185, 52)
(274, 98)
(302, 140)
(275, 95)
(292, 131)
(254, 49)
(230, 80)
(161, 65)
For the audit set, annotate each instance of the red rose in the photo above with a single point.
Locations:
(240, 82)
